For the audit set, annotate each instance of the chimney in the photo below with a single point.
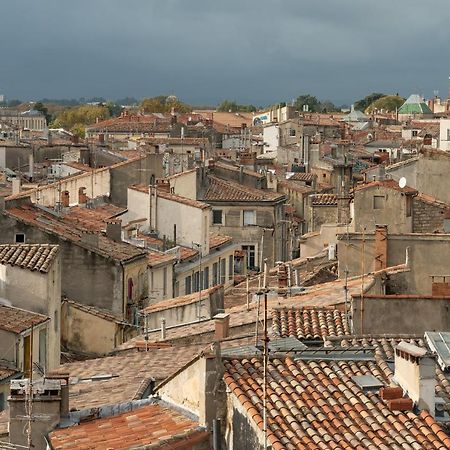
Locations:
(415, 373)
(114, 230)
(381, 247)
(282, 276)
(16, 186)
(89, 238)
(82, 197)
(162, 185)
(64, 379)
(46, 410)
(65, 199)
(222, 326)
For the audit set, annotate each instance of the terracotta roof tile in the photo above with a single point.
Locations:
(309, 323)
(146, 426)
(302, 176)
(18, 320)
(156, 258)
(122, 377)
(221, 190)
(324, 200)
(316, 404)
(29, 256)
(216, 240)
(390, 184)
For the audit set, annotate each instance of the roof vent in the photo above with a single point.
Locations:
(368, 382)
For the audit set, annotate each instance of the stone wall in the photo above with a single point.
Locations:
(428, 217)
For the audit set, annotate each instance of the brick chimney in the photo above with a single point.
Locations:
(381, 247)
(162, 185)
(222, 326)
(415, 374)
(114, 230)
(65, 199)
(440, 286)
(46, 411)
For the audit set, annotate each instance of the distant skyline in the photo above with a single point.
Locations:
(258, 52)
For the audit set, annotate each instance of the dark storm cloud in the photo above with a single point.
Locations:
(204, 51)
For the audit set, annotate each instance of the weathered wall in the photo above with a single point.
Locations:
(428, 217)
(156, 291)
(84, 332)
(140, 171)
(8, 346)
(185, 184)
(393, 314)
(428, 254)
(393, 214)
(425, 174)
(313, 243)
(321, 215)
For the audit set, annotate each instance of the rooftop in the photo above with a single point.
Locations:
(216, 240)
(309, 322)
(123, 377)
(72, 225)
(318, 404)
(221, 190)
(302, 176)
(389, 184)
(37, 257)
(414, 104)
(16, 320)
(324, 200)
(151, 426)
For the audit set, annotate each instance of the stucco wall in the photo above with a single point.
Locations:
(428, 256)
(86, 332)
(392, 214)
(156, 283)
(185, 184)
(393, 315)
(321, 215)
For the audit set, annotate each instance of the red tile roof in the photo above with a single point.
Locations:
(123, 377)
(216, 240)
(181, 301)
(221, 190)
(309, 322)
(316, 404)
(302, 176)
(150, 426)
(72, 229)
(156, 258)
(325, 200)
(389, 184)
(16, 320)
(37, 257)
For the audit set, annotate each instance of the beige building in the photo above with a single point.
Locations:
(30, 278)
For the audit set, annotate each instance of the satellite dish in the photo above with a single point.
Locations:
(402, 182)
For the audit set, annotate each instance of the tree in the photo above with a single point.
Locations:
(388, 103)
(113, 108)
(309, 100)
(232, 106)
(365, 102)
(164, 104)
(75, 119)
(39, 106)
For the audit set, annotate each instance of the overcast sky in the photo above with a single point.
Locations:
(205, 51)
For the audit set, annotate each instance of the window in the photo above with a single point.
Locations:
(43, 348)
(19, 238)
(188, 285)
(217, 217)
(206, 278)
(408, 206)
(215, 275)
(250, 250)
(2, 401)
(249, 218)
(196, 283)
(230, 267)
(378, 201)
(414, 133)
(223, 268)
(130, 289)
(164, 281)
(292, 132)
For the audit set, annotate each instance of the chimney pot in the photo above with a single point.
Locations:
(114, 230)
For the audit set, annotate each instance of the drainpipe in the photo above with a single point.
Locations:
(216, 435)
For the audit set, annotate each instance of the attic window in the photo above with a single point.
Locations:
(19, 238)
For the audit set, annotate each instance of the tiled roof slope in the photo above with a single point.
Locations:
(17, 320)
(309, 323)
(390, 184)
(302, 176)
(123, 377)
(29, 256)
(152, 426)
(317, 405)
(221, 190)
(324, 200)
